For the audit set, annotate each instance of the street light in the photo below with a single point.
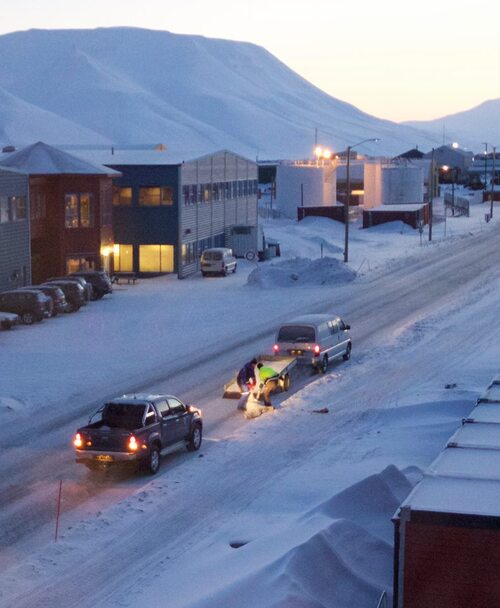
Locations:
(485, 162)
(348, 195)
(492, 195)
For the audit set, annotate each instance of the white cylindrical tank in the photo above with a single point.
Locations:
(309, 185)
(402, 185)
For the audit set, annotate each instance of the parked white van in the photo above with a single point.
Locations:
(316, 339)
(218, 260)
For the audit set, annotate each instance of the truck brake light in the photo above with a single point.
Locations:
(316, 349)
(132, 444)
(276, 348)
(78, 441)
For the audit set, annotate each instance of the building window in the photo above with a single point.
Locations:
(123, 258)
(17, 207)
(156, 196)
(38, 208)
(228, 190)
(188, 253)
(156, 258)
(122, 196)
(78, 211)
(74, 264)
(4, 210)
(185, 194)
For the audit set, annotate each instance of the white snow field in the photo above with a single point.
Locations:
(290, 509)
(136, 86)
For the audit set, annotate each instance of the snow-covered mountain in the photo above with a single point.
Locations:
(470, 128)
(127, 85)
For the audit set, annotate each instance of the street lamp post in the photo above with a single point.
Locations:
(492, 195)
(485, 163)
(347, 200)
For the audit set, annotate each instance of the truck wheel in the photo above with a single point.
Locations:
(250, 255)
(234, 269)
(194, 442)
(153, 462)
(285, 385)
(347, 355)
(323, 366)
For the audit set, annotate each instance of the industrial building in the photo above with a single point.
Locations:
(167, 209)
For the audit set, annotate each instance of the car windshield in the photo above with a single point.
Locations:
(212, 256)
(296, 333)
(123, 415)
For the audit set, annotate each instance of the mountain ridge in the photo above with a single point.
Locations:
(130, 85)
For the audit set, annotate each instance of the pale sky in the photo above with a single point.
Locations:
(394, 59)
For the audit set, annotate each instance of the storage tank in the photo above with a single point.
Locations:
(402, 185)
(304, 184)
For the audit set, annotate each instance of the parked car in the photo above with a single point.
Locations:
(9, 319)
(87, 287)
(57, 295)
(315, 339)
(49, 302)
(30, 305)
(73, 292)
(138, 429)
(218, 260)
(98, 279)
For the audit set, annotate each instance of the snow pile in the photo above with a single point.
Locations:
(371, 502)
(301, 272)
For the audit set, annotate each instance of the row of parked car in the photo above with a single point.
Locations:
(56, 295)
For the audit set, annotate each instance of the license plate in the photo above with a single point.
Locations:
(104, 458)
(297, 352)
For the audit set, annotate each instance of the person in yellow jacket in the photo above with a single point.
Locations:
(268, 378)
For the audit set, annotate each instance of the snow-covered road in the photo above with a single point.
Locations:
(415, 325)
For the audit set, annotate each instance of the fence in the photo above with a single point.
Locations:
(457, 204)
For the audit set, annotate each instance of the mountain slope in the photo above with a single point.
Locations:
(470, 128)
(136, 86)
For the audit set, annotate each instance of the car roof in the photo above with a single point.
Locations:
(312, 319)
(221, 249)
(141, 398)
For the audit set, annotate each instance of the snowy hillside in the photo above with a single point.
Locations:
(140, 86)
(470, 128)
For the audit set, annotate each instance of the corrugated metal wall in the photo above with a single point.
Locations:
(15, 264)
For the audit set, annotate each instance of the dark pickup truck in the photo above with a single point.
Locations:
(138, 429)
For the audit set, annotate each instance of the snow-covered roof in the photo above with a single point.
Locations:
(112, 157)
(486, 412)
(460, 495)
(42, 159)
(467, 463)
(492, 394)
(400, 208)
(465, 477)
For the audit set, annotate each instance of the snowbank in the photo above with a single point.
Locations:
(301, 272)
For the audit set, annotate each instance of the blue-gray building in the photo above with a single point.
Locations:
(15, 264)
(166, 209)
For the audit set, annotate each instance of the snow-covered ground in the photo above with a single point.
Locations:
(289, 509)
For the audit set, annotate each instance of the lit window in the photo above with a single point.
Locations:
(78, 211)
(156, 196)
(123, 258)
(156, 258)
(122, 196)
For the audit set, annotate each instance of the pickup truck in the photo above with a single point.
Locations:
(138, 429)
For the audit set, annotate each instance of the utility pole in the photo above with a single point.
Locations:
(492, 195)
(485, 162)
(431, 197)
